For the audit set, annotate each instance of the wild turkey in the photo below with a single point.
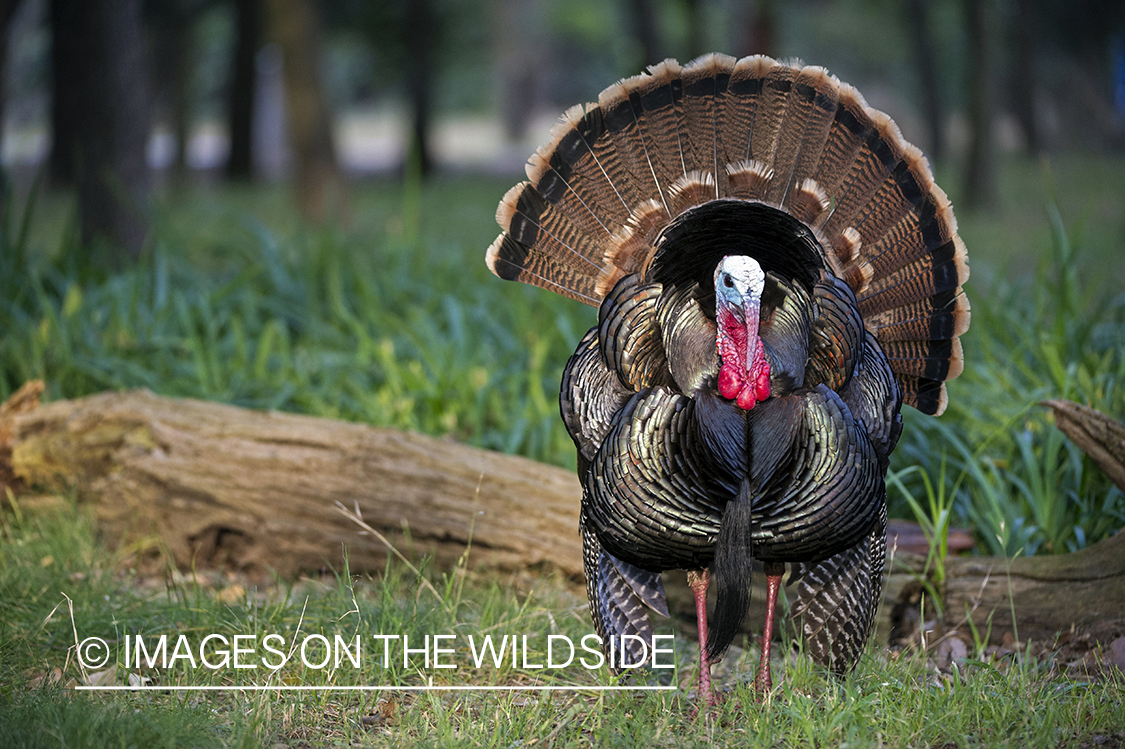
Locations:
(777, 273)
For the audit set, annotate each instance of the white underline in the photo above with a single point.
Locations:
(288, 688)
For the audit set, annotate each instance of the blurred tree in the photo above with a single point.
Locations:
(763, 29)
(419, 81)
(918, 23)
(7, 15)
(979, 183)
(518, 43)
(101, 106)
(645, 27)
(436, 56)
(242, 91)
(295, 24)
(1077, 37)
(172, 24)
(696, 38)
(66, 95)
(1024, 76)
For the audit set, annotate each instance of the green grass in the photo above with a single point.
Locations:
(1011, 475)
(370, 325)
(49, 554)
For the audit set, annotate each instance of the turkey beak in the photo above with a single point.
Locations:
(744, 370)
(757, 366)
(751, 311)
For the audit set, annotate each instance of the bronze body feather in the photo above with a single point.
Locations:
(781, 176)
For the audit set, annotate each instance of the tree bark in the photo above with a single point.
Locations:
(295, 24)
(241, 98)
(1039, 597)
(102, 91)
(223, 485)
(1098, 435)
(979, 178)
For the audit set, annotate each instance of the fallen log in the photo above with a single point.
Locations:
(221, 485)
(1030, 598)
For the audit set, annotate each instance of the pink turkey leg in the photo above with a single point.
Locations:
(763, 683)
(698, 580)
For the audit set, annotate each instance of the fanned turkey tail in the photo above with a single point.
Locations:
(617, 172)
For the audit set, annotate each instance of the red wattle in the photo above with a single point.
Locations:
(743, 379)
(746, 398)
(729, 383)
(762, 382)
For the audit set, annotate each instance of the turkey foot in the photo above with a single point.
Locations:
(763, 683)
(698, 580)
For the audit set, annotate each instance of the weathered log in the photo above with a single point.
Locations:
(1100, 436)
(218, 484)
(1038, 597)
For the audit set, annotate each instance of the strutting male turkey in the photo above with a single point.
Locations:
(776, 274)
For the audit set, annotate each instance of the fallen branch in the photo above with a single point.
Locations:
(1100, 436)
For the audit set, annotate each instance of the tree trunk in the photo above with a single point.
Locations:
(762, 37)
(295, 24)
(66, 93)
(419, 78)
(1099, 436)
(696, 43)
(8, 10)
(104, 94)
(1023, 74)
(241, 98)
(1043, 595)
(517, 46)
(979, 178)
(173, 28)
(919, 25)
(220, 485)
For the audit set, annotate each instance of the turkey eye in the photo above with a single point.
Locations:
(728, 281)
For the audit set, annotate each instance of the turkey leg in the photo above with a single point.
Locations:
(763, 683)
(698, 580)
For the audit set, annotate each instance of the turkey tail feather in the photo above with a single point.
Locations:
(731, 570)
(793, 137)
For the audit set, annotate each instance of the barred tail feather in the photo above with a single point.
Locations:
(617, 172)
